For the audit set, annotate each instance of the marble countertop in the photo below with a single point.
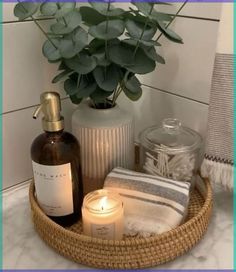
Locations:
(23, 249)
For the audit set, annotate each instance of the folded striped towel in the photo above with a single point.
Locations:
(152, 204)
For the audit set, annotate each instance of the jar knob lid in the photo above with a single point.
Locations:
(171, 124)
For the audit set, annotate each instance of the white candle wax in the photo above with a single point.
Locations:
(103, 215)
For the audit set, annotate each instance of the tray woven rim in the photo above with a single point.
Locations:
(202, 216)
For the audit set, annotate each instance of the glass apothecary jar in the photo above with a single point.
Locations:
(170, 151)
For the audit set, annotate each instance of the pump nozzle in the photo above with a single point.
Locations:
(51, 107)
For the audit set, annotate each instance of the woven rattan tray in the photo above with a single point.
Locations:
(131, 252)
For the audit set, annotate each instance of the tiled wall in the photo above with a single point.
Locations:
(178, 89)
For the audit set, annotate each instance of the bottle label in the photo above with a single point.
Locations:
(53, 185)
(103, 231)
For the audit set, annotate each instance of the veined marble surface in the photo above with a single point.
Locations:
(23, 249)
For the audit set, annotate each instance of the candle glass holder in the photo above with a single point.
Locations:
(103, 215)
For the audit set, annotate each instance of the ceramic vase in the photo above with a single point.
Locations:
(106, 137)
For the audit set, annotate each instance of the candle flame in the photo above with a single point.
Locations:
(103, 202)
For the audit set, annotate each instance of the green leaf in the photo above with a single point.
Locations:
(132, 87)
(152, 54)
(48, 8)
(73, 43)
(102, 8)
(134, 41)
(145, 8)
(69, 22)
(90, 16)
(100, 56)
(135, 29)
(107, 78)
(24, 10)
(109, 31)
(64, 8)
(86, 86)
(82, 64)
(70, 87)
(62, 76)
(75, 100)
(123, 55)
(100, 95)
(132, 83)
(169, 34)
(51, 52)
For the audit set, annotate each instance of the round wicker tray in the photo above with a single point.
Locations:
(130, 252)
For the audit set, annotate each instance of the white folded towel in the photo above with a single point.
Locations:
(152, 204)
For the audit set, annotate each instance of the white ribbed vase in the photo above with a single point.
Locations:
(106, 137)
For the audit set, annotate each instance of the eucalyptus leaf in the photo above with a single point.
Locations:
(69, 22)
(24, 10)
(100, 95)
(50, 51)
(132, 84)
(70, 87)
(90, 16)
(82, 64)
(75, 100)
(107, 78)
(48, 8)
(133, 41)
(137, 31)
(132, 96)
(73, 43)
(148, 10)
(151, 53)
(62, 76)
(123, 55)
(107, 30)
(64, 8)
(101, 58)
(102, 8)
(170, 34)
(86, 87)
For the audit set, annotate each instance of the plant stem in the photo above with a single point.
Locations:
(108, 9)
(177, 13)
(39, 26)
(144, 28)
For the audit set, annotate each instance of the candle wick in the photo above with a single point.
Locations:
(102, 208)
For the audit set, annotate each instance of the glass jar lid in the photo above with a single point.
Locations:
(171, 137)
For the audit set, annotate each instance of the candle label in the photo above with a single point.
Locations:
(53, 185)
(103, 231)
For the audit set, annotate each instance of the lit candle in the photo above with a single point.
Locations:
(103, 215)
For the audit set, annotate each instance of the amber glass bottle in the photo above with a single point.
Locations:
(56, 165)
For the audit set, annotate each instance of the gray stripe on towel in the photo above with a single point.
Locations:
(154, 202)
(152, 178)
(147, 188)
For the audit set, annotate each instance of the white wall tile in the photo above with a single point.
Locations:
(188, 67)
(154, 106)
(203, 10)
(7, 12)
(26, 72)
(19, 130)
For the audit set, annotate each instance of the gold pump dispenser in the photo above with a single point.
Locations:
(50, 107)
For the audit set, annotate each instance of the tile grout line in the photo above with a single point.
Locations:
(174, 94)
(17, 186)
(29, 107)
(25, 21)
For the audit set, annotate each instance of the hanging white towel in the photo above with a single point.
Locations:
(218, 161)
(152, 204)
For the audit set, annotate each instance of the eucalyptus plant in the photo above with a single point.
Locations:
(100, 48)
